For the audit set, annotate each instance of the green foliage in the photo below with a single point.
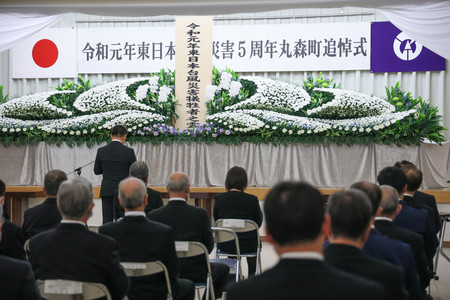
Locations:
(317, 97)
(79, 87)
(3, 99)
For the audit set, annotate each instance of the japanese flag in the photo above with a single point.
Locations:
(50, 53)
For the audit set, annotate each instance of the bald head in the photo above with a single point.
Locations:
(132, 193)
(178, 185)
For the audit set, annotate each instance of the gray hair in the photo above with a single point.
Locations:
(132, 192)
(139, 169)
(74, 197)
(389, 199)
(179, 183)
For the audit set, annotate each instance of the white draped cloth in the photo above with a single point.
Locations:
(428, 23)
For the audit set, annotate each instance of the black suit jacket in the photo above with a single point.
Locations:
(70, 251)
(113, 161)
(142, 240)
(431, 202)
(154, 201)
(305, 279)
(17, 280)
(414, 202)
(352, 260)
(190, 223)
(419, 221)
(238, 205)
(40, 218)
(415, 241)
(11, 243)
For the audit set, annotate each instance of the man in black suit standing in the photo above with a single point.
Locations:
(113, 161)
(11, 237)
(296, 226)
(190, 224)
(139, 169)
(72, 252)
(351, 219)
(142, 240)
(384, 223)
(45, 215)
(17, 280)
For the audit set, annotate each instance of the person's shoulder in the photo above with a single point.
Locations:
(11, 227)
(151, 192)
(12, 265)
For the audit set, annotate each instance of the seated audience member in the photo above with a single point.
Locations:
(190, 223)
(2, 202)
(421, 196)
(413, 181)
(45, 215)
(16, 278)
(235, 204)
(351, 219)
(139, 169)
(384, 223)
(11, 237)
(296, 226)
(72, 252)
(410, 218)
(389, 250)
(141, 240)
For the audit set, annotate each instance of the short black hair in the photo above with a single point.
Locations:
(236, 179)
(414, 177)
(394, 177)
(372, 190)
(350, 212)
(119, 131)
(53, 180)
(294, 213)
(399, 164)
(2, 189)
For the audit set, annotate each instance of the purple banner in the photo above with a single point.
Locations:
(394, 51)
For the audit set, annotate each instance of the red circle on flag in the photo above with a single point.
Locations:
(45, 53)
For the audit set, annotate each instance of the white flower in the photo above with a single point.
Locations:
(235, 87)
(210, 92)
(141, 92)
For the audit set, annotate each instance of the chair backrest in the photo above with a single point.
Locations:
(137, 269)
(26, 247)
(59, 289)
(186, 249)
(222, 235)
(94, 227)
(238, 225)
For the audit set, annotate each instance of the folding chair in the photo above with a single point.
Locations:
(222, 235)
(189, 249)
(138, 269)
(26, 247)
(68, 290)
(94, 227)
(239, 226)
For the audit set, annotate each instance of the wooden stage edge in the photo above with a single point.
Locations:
(17, 196)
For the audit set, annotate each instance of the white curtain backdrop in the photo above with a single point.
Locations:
(428, 23)
(15, 27)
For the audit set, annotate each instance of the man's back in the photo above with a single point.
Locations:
(17, 280)
(305, 279)
(189, 224)
(142, 240)
(72, 252)
(11, 241)
(351, 259)
(40, 218)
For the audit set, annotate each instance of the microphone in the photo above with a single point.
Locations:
(78, 170)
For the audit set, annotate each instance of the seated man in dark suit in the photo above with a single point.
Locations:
(410, 218)
(389, 250)
(413, 181)
(384, 223)
(426, 199)
(16, 278)
(351, 217)
(139, 169)
(141, 240)
(296, 226)
(72, 252)
(45, 215)
(11, 237)
(190, 224)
